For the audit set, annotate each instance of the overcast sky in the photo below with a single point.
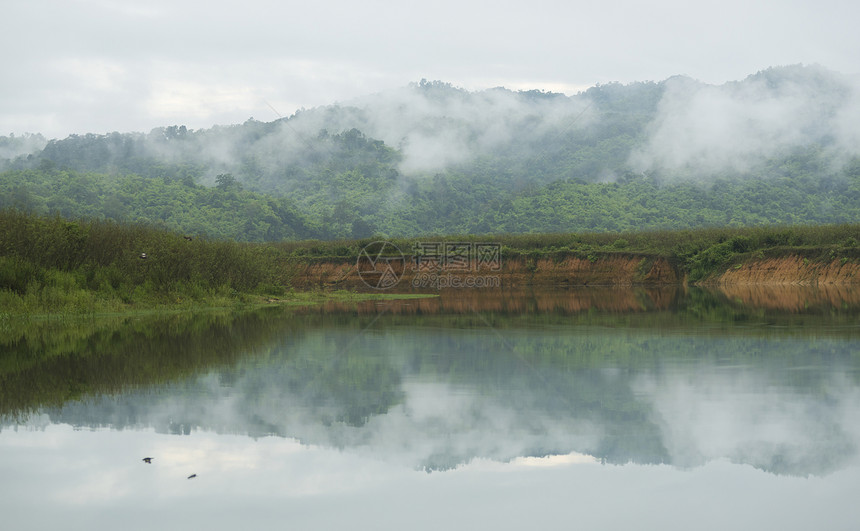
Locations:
(78, 66)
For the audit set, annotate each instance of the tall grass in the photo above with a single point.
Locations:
(55, 264)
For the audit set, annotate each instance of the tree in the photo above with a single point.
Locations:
(225, 181)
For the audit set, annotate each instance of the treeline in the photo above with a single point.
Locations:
(355, 204)
(224, 211)
(453, 203)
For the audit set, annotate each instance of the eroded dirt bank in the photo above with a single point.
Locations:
(605, 270)
(613, 270)
(792, 270)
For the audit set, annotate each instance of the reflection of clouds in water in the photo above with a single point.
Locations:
(440, 426)
(700, 415)
(440, 402)
(103, 466)
(308, 487)
(572, 458)
(437, 425)
(710, 414)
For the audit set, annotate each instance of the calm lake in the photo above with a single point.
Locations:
(481, 409)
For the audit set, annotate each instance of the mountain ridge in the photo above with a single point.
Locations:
(434, 158)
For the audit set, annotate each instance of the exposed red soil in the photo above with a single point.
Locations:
(620, 270)
(792, 270)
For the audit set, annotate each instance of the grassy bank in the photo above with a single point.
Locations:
(50, 265)
(697, 254)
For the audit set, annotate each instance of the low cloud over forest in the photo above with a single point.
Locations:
(432, 157)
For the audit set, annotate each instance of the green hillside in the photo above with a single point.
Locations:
(775, 148)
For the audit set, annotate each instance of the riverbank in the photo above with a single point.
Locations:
(102, 308)
(560, 269)
(600, 269)
(808, 254)
(791, 269)
(50, 265)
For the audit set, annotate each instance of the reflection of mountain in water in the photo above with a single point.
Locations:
(436, 398)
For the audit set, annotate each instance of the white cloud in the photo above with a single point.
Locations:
(703, 129)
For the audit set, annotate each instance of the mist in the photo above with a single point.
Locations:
(703, 129)
(15, 146)
(437, 126)
(679, 128)
(433, 126)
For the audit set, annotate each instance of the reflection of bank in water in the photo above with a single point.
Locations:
(743, 309)
(793, 298)
(523, 301)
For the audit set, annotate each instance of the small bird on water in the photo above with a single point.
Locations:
(148, 460)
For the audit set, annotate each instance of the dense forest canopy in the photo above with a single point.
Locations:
(778, 147)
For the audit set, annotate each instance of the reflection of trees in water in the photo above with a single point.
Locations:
(48, 365)
(441, 397)
(536, 374)
(322, 374)
(670, 307)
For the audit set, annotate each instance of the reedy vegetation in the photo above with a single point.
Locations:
(51, 264)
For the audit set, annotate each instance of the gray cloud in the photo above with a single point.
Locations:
(95, 66)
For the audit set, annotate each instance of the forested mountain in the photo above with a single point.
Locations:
(780, 146)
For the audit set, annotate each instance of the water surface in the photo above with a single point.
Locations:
(591, 408)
